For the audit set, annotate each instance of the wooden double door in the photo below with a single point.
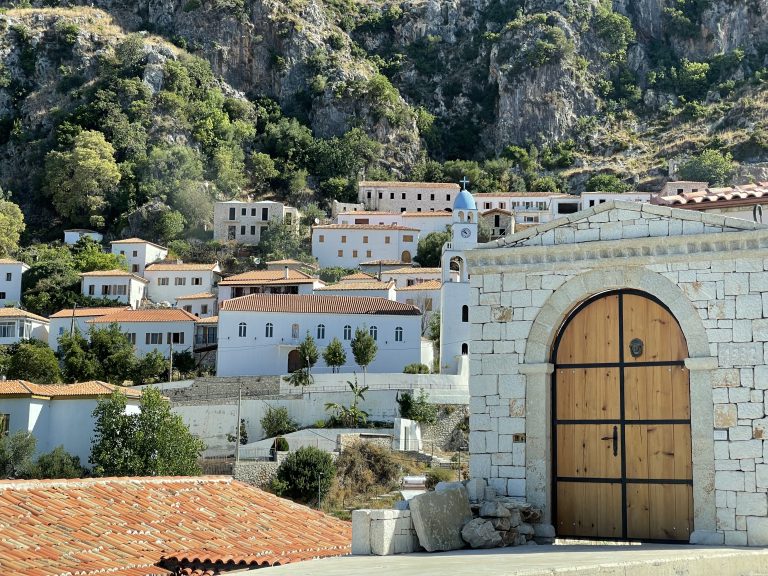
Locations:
(621, 422)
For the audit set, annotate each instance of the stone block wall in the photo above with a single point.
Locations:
(717, 288)
(383, 532)
(259, 474)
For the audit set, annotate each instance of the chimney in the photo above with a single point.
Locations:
(285, 275)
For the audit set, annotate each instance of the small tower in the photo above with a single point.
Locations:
(454, 295)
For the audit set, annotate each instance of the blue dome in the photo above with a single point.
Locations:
(465, 201)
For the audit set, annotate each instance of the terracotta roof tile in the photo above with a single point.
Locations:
(428, 285)
(113, 274)
(441, 213)
(374, 285)
(16, 313)
(379, 227)
(209, 320)
(93, 388)
(357, 276)
(744, 194)
(141, 526)
(80, 312)
(136, 241)
(377, 184)
(317, 304)
(383, 263)
(11, 261)
(285, 261)
(198, 296)
(175, 267)
(415, 270)
(268, 277)
(153, 315)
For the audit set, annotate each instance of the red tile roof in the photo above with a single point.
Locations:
(176, 267)
(152, 315)
(93, 388)
(357, 285)
(357, 276)
(209, 320)
(317, 304)
(382, 262)
(414, 270)
(747, 194)
(378, 184)
(80, 312)
(114, 273)
(16, 313)
(258, 277)
(141, 526)
(198, 296)
(11, 261)
(441, 213)
(136, 241)
(428, 285)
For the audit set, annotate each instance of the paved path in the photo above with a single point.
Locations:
(645, 560)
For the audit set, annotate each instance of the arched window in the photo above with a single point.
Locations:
(374, 332)
(399, 334)
(321, 331)
(461, 216)
(294, 330)
(268, 330)
(469, 216)
(241, 330)
(465, 313)
(347, 332)
(464, 349)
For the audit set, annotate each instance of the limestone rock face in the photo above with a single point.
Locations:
(480, 533)
(438, 518)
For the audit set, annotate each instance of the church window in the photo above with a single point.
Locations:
(374, 332)
(465, 313)
(399, 334)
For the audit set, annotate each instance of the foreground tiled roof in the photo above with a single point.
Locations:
(357, 276)
(440, 213)
(80, 312)
(198, 296)
(378, 184)
(16, 313)
(373, 285)
(317, 304)
(415, 270)
(136, 241)
(93, 388)
(209, 320)
(268, 277)
(153, 315)
(158, 526)
(181, 267)
(379, 227)
(428, 285)
(745, 194)
(114, 273)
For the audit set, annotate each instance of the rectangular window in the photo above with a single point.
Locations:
(197, 281)
(135, 254)
(487, 205)
(7, 329)
(262, 231)
(131, 337)
(418, 196)
(154, 338)
(402, 209)
(121, 289)
(380, 195)
(242, 230)
(253, 230)
(391, 195)
(447, 197)
(162, 281)
(265, 213)
(354, 253)
(340, 253)
(369, 195)
(403, 198)
(365, 239)
(187, 308)
(343, 239)
(106, 290)
(2, 296)
(253, 211)
(231, 213)
(386, 239)
(367, 253)
(180, 281)
(135, 268)
(408, 238)
(431, 196)
(8, 276)
(502, 205)
(91, 290)
(176, 337)
(243, 212)
(231, 232)
(204, 309)
(321, 238)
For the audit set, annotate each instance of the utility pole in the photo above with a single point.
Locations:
(319, 477)
(72, 323)
(170, 356)
(237, 424)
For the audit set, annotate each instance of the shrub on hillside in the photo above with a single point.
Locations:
(305, 474)
(363, 469)
(277, 421)
(437, 475)
(417, 409)
(416, 368)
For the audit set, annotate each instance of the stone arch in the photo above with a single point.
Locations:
(538, 369)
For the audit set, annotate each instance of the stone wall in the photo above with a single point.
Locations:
(445, 433)
(710, 271)
(259, 474)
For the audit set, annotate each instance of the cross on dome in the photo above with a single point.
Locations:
(464, 181)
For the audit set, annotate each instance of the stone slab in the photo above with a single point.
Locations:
(438, 518)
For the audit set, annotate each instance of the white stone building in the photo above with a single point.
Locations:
(73, 235)
(259, 334)
(162, 329)
(425, 222)
(407, 196)
(285, 281)
(202, 304)
(17, 325)
(346, 245)
(171, 280)
(244, 222)
(10, 281)
(118, 285)
(617, 373)
(68, 320)
(138, 253)
(425, 296)
(57, 414)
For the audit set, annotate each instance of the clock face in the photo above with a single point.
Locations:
(465, 232)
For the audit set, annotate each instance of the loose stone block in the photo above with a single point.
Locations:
(361, 526)
(480, 533)
(438, 518)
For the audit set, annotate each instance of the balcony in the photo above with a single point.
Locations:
(205, 342)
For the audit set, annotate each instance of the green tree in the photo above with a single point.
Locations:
(606, 183)
(305, 474)
(78, 363)
(430, 249)
(33, 361)
(334, 355)
(262, 170)
(170, 225)
(89, 256)
(710, 166)
(150, 368)
(417, 409)
(416, 368)
(81, 179)
(279, 242)
(16, 452)
(58, 463)
(277, 421)
(308, 351)
(154, 442)
(113, 352)
(350, 416)
(364, 348)
(11, 227)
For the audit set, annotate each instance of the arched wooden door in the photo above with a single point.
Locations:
(294, 361)
(622, 422)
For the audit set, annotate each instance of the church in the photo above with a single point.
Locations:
(617, 369)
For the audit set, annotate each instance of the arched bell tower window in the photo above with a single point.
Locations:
(465, 313)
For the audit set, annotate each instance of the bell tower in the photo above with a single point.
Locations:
(465, 214)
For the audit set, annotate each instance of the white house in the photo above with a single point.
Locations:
(138, 253)
(171, 280)
(407, 196)
(202, 304)
(245, 222)
(73, 235)
(10, 281)
(17, 325)
(259, 334)
(119, 285)
(425, 296)
(57, 414)
(69, 320)
(425, 222)
(285, 281)
(346, 245)
(410, 275)
(162, 329)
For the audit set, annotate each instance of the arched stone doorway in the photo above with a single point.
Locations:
(621, 428)
(294, 361)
